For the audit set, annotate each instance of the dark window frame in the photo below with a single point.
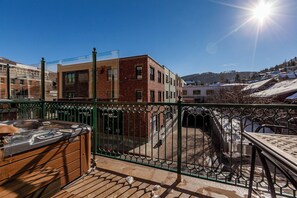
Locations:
(152, 96)
(159, 96)
(197, 92)
(159, 77)
(152, 73)
(138, 95)
(70, 78)
(138, 72)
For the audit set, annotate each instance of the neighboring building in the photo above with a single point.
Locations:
(259, 86)
(170, 86)
(279, 91)
(206, 93)
(129, 79)
(180, 83)
(75, 80)
(25, 81)
(199, 93)
(141, 79)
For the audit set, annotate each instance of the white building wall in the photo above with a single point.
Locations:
(202, 97)
(170, 86)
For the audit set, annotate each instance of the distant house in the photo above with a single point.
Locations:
(198, 93)
(259, 86)
(279, 91)
(205, 93)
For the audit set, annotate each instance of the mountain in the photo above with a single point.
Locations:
(210, 77)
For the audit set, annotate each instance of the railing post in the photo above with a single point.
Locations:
(94, 70)
(8, 80)
(42, 115)
(179, 138)
(94, 129)
(94, 55)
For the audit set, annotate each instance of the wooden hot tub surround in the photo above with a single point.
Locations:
(43, 171)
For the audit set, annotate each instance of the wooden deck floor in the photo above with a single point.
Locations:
(109, 180)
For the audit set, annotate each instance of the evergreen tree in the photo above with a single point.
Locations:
(237, 78)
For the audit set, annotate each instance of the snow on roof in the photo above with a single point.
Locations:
(232, 84)
(282, 87)
(291, 75)
(256, 85)
(292, 97)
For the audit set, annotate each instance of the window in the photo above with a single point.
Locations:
(171, 94)
(152, 94)
(109, 74)
(159, 96)
(209, 92)
(185, 92)
(159, 77)
(12, 81)
(163, 96)
(83, 77)
(70, 94)
(163, 78)
(138, 96)
(139, 72)
(112, 73)
(30, 82)
(152, 73)
(69, 78)
(22, 82)
(166, 94)
(167, 80)
(196, 92)
(171, 81)
(2, 80)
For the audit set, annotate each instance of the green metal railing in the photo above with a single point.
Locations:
(200, 140)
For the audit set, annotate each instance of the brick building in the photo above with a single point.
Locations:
(25, 81)
(130, 79)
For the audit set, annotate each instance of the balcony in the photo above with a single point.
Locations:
(157, 143)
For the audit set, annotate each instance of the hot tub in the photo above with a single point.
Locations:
(45, 144)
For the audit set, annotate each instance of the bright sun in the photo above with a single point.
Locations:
(262, 11)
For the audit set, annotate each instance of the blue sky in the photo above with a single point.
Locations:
(191, 36)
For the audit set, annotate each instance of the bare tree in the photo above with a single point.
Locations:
(235, 95)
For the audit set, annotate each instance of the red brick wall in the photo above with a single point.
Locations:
(127, 79)
(103, 85)
(155, 85)
(80, 89)
(129, 83)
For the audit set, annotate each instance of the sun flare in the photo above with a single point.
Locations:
(262, 11)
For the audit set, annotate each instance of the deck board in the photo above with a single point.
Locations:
(109, 180)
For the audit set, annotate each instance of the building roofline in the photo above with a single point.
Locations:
(148, 56)
(142, 56)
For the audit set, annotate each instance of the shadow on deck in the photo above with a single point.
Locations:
(109, 180)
